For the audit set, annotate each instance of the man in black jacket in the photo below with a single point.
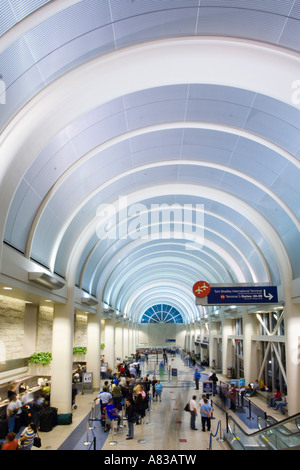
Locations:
(131, 417)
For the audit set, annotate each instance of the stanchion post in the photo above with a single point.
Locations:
(113, 443)
(91, 419)
(87, 442)
(149, 411)
(142, 440)
(220, 439)
(250, 417)
(122, 417)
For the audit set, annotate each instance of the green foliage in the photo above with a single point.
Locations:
(43, 358)
(79, 350)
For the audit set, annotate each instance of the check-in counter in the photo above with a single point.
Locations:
(32, 389)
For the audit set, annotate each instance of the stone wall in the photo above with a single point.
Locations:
(11, 328)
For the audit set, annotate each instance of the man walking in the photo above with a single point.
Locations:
(197, 377)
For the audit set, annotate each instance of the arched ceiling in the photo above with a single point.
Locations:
(146, 145)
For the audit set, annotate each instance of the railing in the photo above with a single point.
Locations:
(240, 401)
(280, 435)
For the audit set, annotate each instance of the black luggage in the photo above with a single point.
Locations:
(48, 419)
(3, 427)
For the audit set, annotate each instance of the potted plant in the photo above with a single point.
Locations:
(39, 363)
(78, 353)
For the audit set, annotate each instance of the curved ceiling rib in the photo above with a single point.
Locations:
(33, 19)
(206, 60)
(223, 168)
(154, 294)
(204, 193)
(244, 235)
(159, 278)
(198, 245)
(155, 118)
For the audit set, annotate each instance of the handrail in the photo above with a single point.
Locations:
(255, 433)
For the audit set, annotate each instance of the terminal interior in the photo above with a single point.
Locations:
(147, 146)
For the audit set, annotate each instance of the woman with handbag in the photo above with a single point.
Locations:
(28, 436)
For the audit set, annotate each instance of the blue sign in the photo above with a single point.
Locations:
(242, 295)
(208, 387)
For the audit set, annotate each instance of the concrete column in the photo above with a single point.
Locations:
(62, 355)
(226, 353)
(249, 346)
(125, 338)
(93, 347)
(110, 341)
(130, 338)
(30, 329)
(118, 339)
(213, 356)
(292, 344)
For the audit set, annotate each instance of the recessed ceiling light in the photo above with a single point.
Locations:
(7, 288)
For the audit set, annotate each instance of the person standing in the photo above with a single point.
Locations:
(193, 411)
(154, 381)
(206, 412)
(11, 411)
(197, 377)
(131, 417)
(214, 380)
(158, 390)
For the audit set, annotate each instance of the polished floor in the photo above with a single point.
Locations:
(165, 427)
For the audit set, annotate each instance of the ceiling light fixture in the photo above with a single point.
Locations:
(45, 280)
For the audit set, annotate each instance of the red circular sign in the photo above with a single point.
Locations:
(201, 289)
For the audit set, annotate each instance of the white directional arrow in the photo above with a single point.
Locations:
(268, 296)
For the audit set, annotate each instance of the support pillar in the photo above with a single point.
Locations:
(93, 347)
(110, 342)
(249, 346)
(292, 344)
(62, 355)
(226, 354)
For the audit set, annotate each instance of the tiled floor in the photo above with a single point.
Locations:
(165, 427)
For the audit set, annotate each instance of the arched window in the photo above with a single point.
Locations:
(161, 313)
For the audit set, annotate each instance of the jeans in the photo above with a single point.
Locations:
(206, 420)
(280, 405)
(193, 419)
(130, 428)
(11, 423)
